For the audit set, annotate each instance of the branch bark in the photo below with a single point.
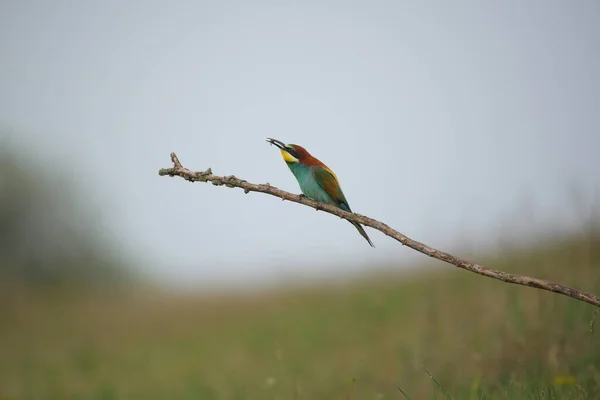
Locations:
(232, 182)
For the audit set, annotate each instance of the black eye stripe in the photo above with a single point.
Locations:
(292, 151)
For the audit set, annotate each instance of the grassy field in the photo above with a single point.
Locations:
(448, 334)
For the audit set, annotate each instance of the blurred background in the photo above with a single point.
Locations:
(471, 127)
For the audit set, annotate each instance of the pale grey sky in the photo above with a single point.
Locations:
(440, 118)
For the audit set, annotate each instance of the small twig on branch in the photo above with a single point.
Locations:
(232, 181)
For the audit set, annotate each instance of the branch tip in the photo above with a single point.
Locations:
(175, 160)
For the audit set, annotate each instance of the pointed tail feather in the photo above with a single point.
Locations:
(362, 232)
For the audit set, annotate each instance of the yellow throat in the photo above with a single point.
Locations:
(288, 157)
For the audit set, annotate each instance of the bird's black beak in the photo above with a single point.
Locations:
(277, 143)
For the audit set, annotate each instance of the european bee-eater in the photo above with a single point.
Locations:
(316, 180)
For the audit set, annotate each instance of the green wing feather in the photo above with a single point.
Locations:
(329, 182)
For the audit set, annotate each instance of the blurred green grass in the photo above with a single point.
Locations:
(371, 339)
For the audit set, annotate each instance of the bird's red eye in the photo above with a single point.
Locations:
(292, 151)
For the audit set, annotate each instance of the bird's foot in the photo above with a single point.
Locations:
(301, 196)
(319, 206)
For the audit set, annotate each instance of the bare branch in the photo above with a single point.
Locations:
(232, 181)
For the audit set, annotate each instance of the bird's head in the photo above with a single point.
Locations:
(292, 153)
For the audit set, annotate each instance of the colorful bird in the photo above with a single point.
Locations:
(316, 180)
